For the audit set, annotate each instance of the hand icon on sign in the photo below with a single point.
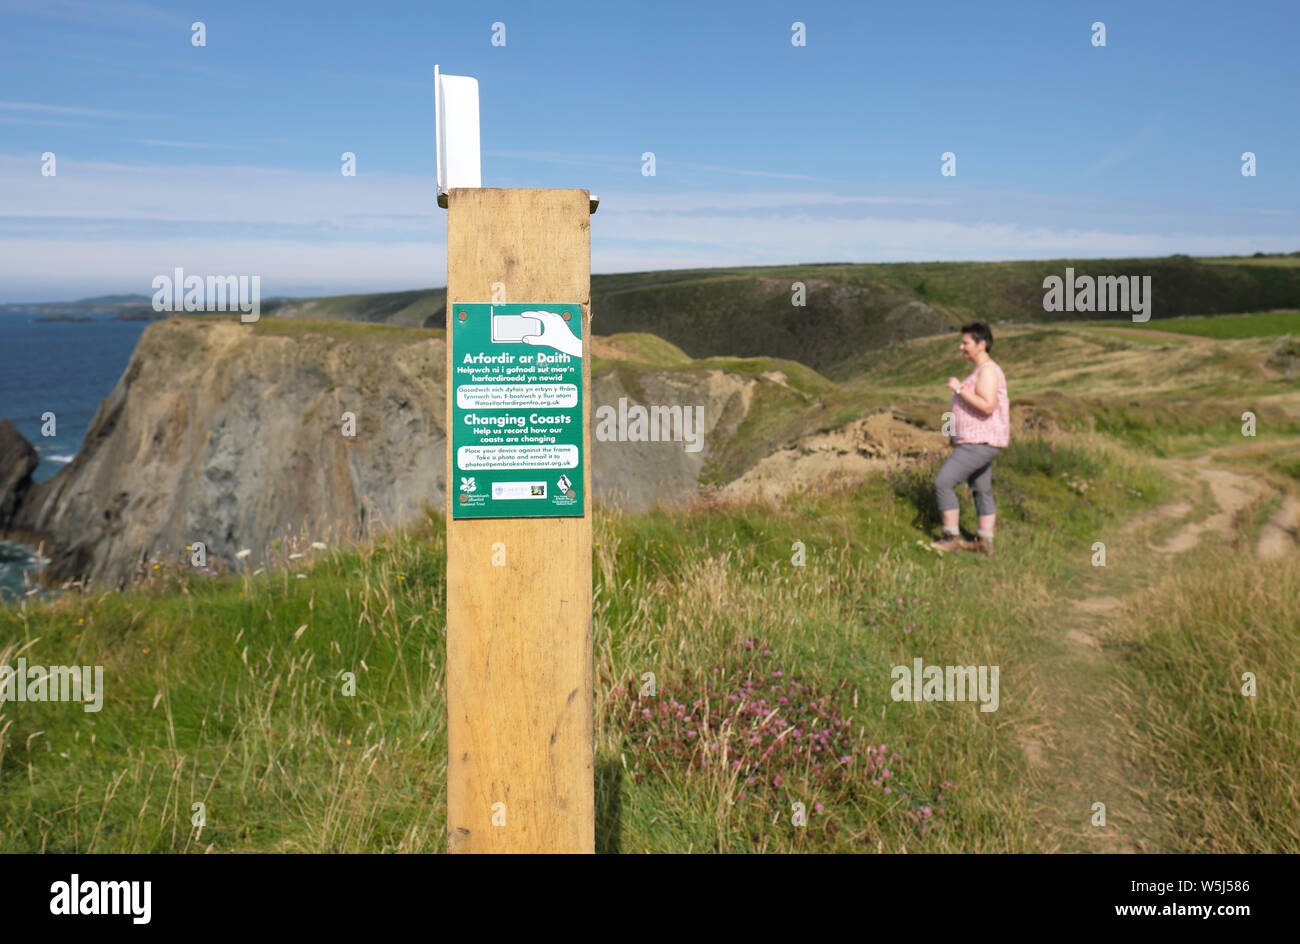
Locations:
(555, 333)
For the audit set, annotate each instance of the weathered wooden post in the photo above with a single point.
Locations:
(519, 594)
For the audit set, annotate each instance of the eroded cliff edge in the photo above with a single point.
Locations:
(232, 435)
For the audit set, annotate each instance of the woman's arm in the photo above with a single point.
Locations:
(984, 397)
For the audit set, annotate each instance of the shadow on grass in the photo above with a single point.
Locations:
(913, 482)
(609, 805)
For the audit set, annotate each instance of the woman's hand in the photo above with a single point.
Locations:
(954, 384)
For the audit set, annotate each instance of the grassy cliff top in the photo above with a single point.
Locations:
(851, 308)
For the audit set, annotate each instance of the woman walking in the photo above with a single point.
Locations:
(981, 430)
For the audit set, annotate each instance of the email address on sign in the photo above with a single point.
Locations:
(476, 458)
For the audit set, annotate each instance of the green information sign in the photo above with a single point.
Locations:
(516, 434)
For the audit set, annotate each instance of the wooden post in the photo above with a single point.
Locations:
(519, 641)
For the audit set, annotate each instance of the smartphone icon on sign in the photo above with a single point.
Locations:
(509, 329)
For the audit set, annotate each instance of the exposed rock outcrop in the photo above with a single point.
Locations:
(233, 435)
(18, 459)
(861, 448)
(638, 475)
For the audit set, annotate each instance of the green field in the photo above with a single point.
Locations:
(1259, 258)
(1266, 324)
(228, 691)
(850, 308)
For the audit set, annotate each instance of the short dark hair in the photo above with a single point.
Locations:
(979, 331)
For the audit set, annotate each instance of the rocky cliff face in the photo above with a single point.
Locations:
(18, 460)
(233, 435)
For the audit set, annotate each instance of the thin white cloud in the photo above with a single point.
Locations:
(253, 197)
(741, 172)
(44, 268)
(653, 199)
(384, 79)
(74, 266)
(9, 120)
(80, 10)
(1123, 151)
(190, 144)
(72, 110)
(106, 227)
(633, 161)
(585, 160)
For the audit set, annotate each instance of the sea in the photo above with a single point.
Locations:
(62, 367)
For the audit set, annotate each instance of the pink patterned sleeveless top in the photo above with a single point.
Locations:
(972, 426)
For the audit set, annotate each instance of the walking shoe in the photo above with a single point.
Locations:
(984, 546)
(950, 542)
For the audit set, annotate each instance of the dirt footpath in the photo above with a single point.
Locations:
(1079, 755)
(1145, 333)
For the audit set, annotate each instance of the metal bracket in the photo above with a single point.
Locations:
(593, 201)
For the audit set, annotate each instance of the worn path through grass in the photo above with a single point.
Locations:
(1085, 751)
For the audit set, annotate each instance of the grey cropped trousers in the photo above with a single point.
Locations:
(971, 463)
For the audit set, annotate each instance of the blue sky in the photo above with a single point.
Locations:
(225, 159)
